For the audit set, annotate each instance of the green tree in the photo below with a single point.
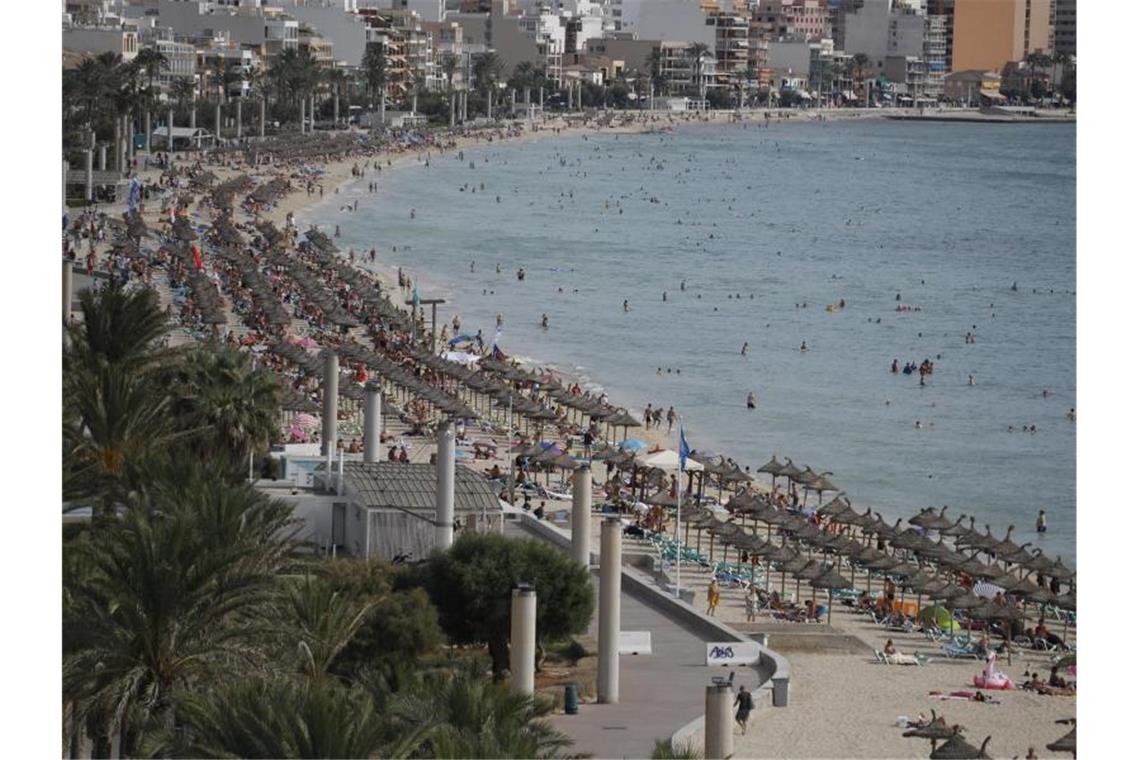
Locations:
(119, 327)
(375, 66)
(449, 64)
(233, 408)
(267, 717)
(317, 622)
(163, 600)
(467, 716)
(400, 625)
(151, 62)
(655, 61)
(471, 587)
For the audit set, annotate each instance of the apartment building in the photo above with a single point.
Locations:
(990, 33)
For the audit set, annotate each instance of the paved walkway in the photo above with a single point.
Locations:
(658, 693)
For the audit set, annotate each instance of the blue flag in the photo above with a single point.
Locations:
(684, 453)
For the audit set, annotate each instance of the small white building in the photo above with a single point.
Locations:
(388, 508)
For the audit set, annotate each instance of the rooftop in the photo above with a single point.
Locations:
(412, 486)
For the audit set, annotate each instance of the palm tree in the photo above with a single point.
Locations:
(114, 412)
(1036, 62)
(859, 64)
(656, 63)
(697, 52)
(236, 408)
(741, 79)
(154, 603)
(183, 90)
(470, 716)
(281, 718)
(150, 62)
(318, 622)
(375, 66)
(119, 326)
(450, 64)
(114, 420)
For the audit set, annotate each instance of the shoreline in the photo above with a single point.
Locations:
(571, 367)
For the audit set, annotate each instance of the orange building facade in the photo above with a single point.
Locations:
(990, 33)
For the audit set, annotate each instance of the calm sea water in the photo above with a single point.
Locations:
(940, 217)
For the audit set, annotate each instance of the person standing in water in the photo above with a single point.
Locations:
(625, 305)
(750, 400)
(545, 321)
(1041, 526)
(744, 349)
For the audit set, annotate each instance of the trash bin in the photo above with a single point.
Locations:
(570, 703)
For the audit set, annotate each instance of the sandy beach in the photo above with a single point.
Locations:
(844, 704)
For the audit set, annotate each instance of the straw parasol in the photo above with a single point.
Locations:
(924, 517)
(829, 579)
(986, 543)
(956, 528)
(957, 748)
(772, 468)
(834, 507)
(934, 730)
(1067, 743)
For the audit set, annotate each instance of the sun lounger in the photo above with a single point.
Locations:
(954, 650)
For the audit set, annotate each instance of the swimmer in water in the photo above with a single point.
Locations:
(803, 346)
(413, 213)
(664, 296)
(971, 381)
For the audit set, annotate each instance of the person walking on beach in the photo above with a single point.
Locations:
(743, 704)
(713, 596)
(671, 417)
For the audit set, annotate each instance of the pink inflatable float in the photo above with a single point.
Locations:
(992, 678)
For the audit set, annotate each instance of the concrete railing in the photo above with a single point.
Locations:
(773, 669)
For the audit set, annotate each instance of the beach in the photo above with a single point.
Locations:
(844, 705)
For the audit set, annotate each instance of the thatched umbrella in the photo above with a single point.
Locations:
(924, 517)
(1059, 570)
(957, 748)
(772, 468)
(624, 420)
(956, 528)
(830, 579)
(986, 543)
(820, 484)
(781, 557)
(790, 471)
(967, 600)
(934, 730)
(1067, 743)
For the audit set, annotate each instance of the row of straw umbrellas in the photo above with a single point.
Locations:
(955, 746)
(916, 561)
(926, 557)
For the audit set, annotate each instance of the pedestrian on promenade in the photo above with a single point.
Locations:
(743, 705)
(713, 598)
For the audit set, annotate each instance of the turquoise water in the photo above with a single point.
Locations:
(945, 216)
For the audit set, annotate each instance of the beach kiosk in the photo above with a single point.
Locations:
(385, 509)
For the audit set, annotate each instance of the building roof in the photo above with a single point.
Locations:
(972, 75)
(412, 486)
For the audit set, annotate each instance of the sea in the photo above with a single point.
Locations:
(718, 235)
